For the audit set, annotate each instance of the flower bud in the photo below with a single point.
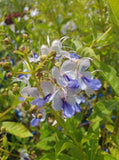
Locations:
(25, 104)
(25, 36)
(39, 115)
(52, 53)
(57, 64)
(7, 40)
(15, 89)
(33, 109)
(9, 75)
(43, 57)
(3, 129)
(6, 65)
(22, 49)
(15, 85)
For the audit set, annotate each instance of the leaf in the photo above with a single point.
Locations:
(65, 157)
(105, 157)
(46, 143)
(77, 44)
(63, 145)
(17, 129)
(114, 152)
(114, 5)
(109, 74)
(48, 156)
(89, 52)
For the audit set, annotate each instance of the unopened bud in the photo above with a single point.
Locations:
(52, 53)
(43, 57)
(15, 85)
(9, 75)
(22, 49)
(6, 65)
(15, 89)
(7, 40)
(25, 104)
(3, 129)
(57, 64)
(33, 109)
(39, 115)
(25, 36)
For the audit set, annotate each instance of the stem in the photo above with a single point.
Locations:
(97, 41)
(9, 109)
(33, 74)
(116, 123)
(60, 121)
(14, 155)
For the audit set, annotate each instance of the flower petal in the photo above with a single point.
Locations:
(44, 50)
(57, 102)
(60, 79)
(93, 84)
(30, 91)
(39, 102)
(84, 64)
(47, 87)
(77, 107)
(74, 56)
(72, 83)
(35, 122)
(68, 109)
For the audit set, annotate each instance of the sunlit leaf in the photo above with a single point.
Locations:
(17, 129)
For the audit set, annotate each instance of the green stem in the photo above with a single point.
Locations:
(4, 113)
(33, 74)
(97, 41)
(62, 124)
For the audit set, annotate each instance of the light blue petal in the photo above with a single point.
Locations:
(35, 122)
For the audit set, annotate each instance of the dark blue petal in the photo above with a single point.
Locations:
(39, 102)
(72, 83)
(93, 84)
(68, 109)
(74, 55)
(77, 107)
(46, 98)
(35, 122)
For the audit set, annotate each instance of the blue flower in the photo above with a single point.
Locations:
(38, 117)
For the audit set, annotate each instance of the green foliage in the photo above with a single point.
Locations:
(17, 129)
(95, 37)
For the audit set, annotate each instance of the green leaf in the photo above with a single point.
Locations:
(17, 129)
(109, 74)
(114, 5)
(46, 143)
(48, 156)
(114, 152)
(105, 157)
(65, 157)
(69, 146)
(89, 52)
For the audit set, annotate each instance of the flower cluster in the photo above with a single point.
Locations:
(63, 85)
